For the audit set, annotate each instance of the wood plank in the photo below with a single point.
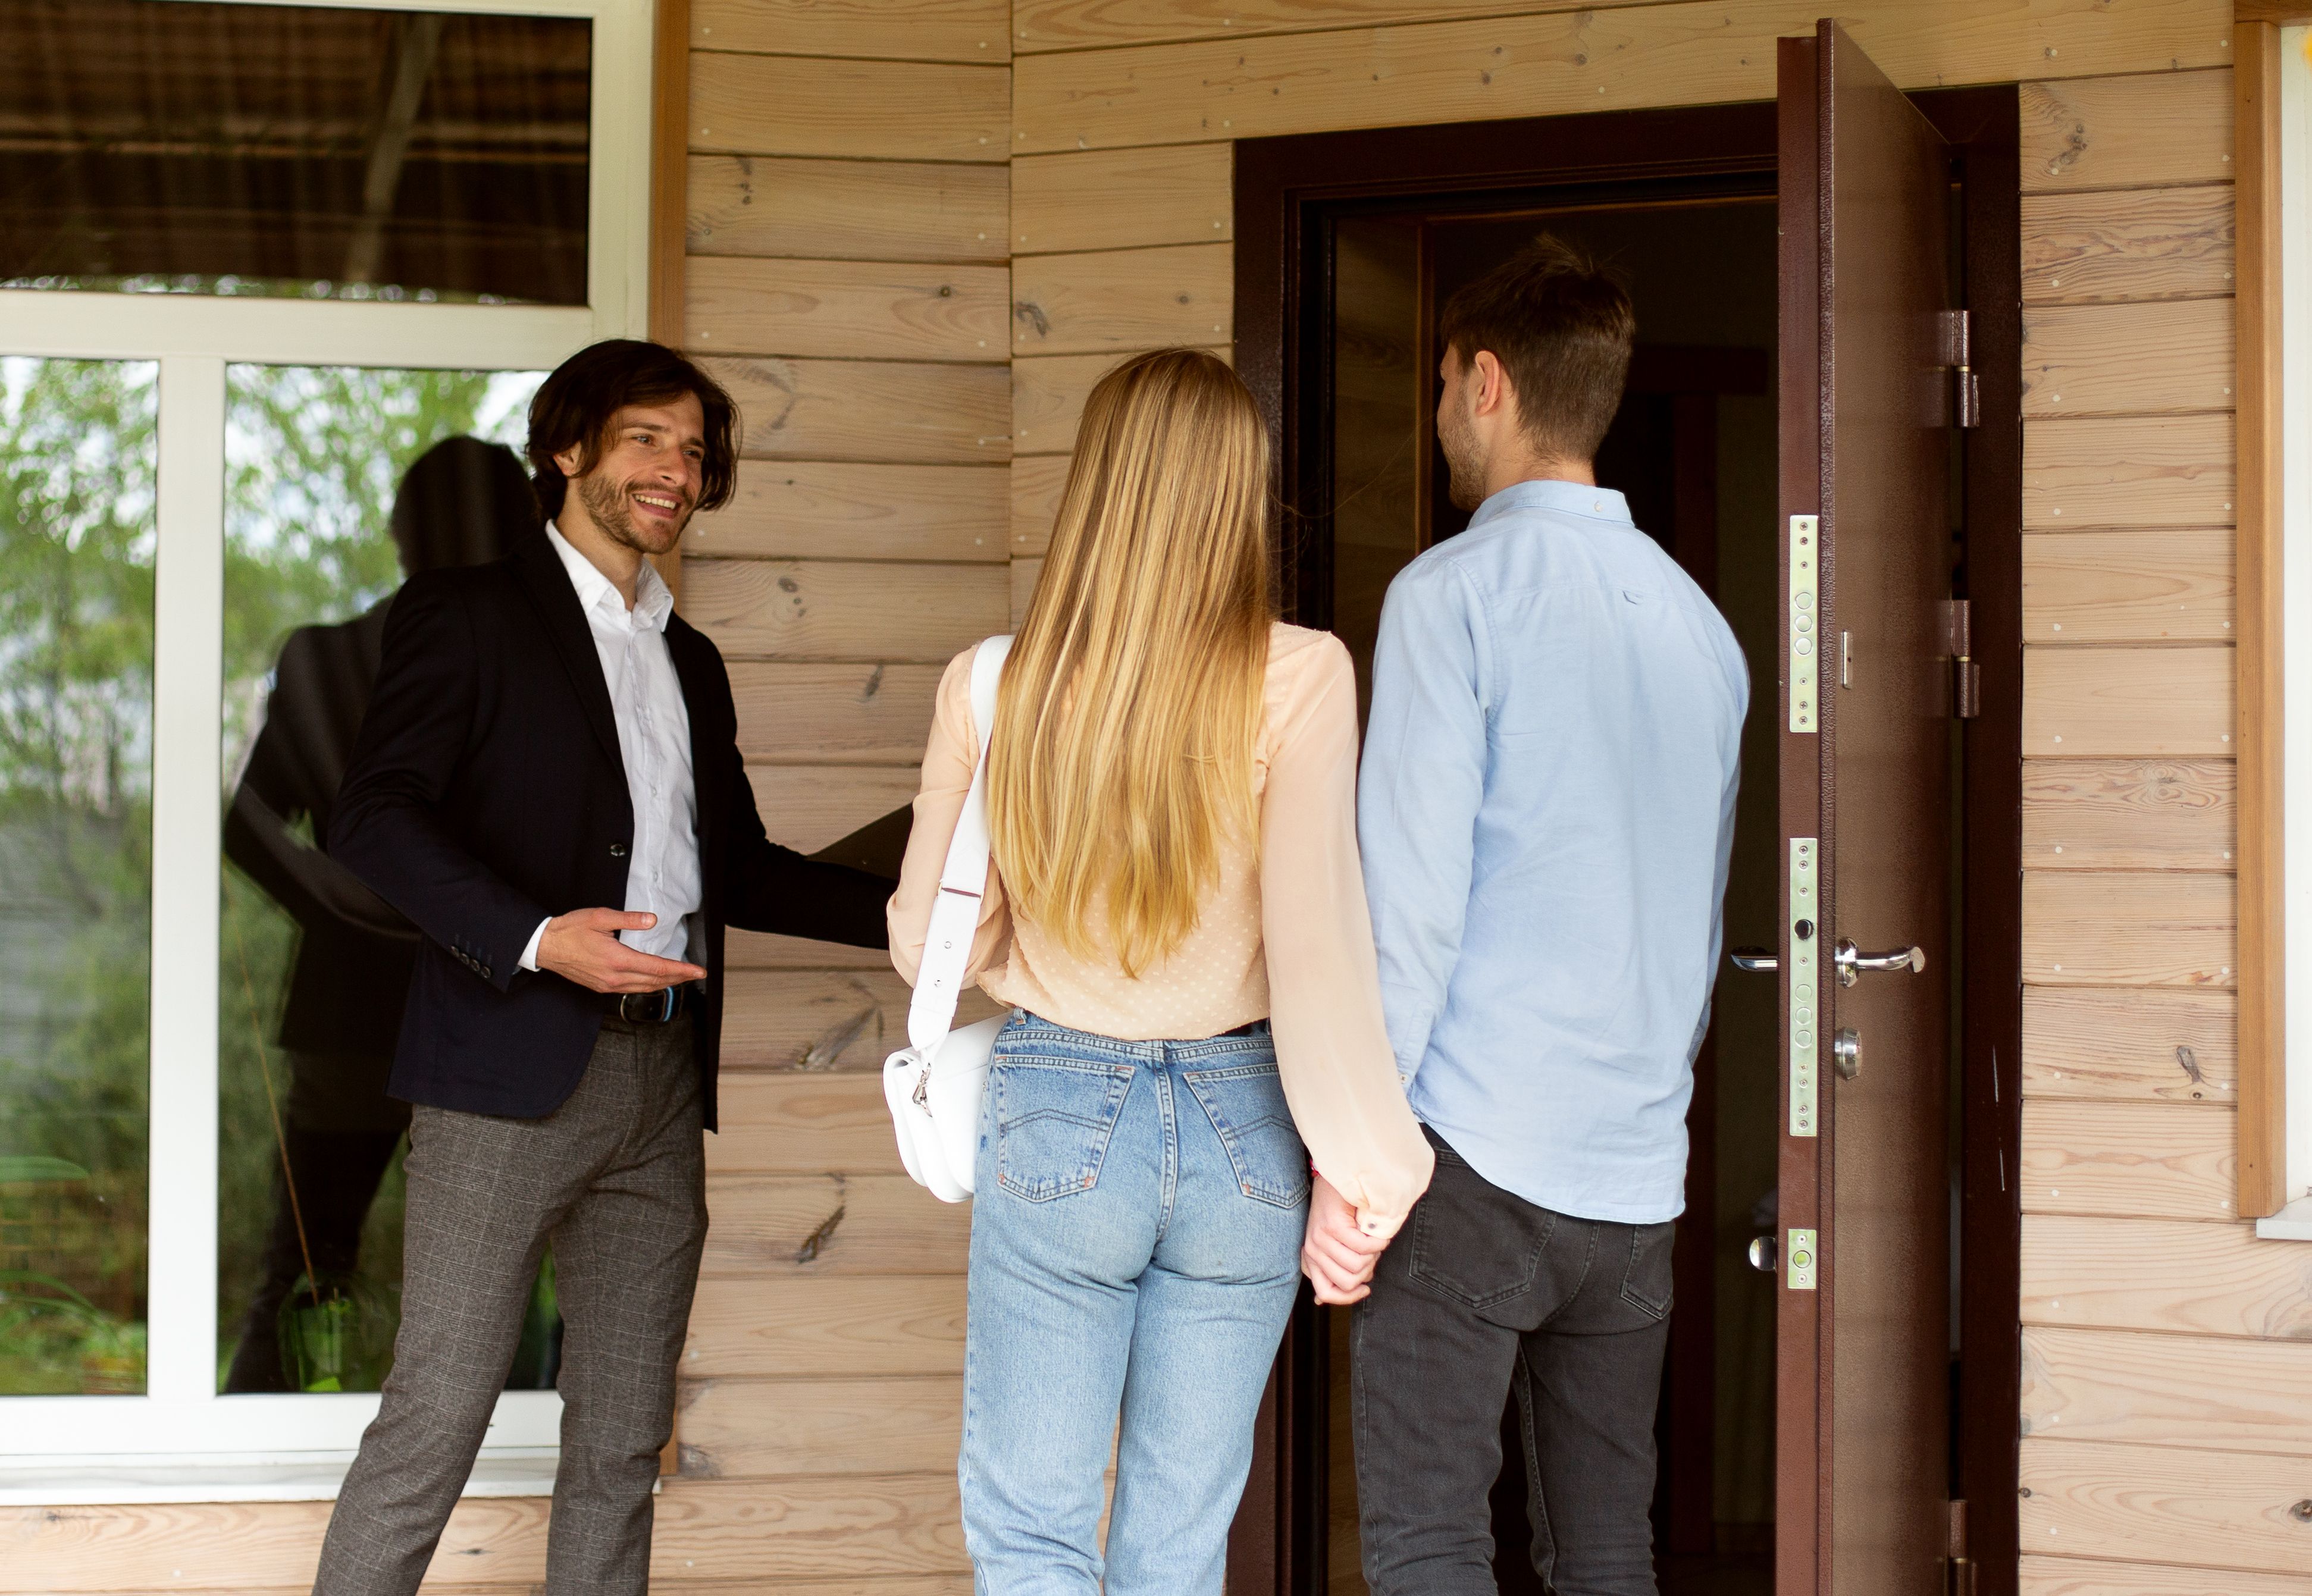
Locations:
(1025, 574)
(2127, 359)
(2072, 1577)
(1037, 485)
(2174, 702)
(867, 1324)
(809, 1023)
(1048, 394)
(761, 950)
(825, 609)
(234, 1545)
(885, 30)
(1543, 64)
(859, 714)
(805, 1124)
(889, 110)
(804, 1528)
(930, 1584)
(1119, 300)
(807, 807)
(2139, 1160)
(847, 209)
(2128, 586)
(2127, 132)
(2172, 471)
(847, 309)
(2219, 1509)
(766, 1225)
(2167, 1390)
(1122, 199)
(1079, 24)
(774, 1429)
(2159, 1046)
(2170, 1276)
(870, 410)
(840, 511)
(2112, 927)
(2136, 244)
(2127, 814)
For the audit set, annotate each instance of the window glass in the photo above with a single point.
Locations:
(77, 447)
(315, 152)
(340, 482)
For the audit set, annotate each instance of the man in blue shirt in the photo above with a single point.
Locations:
(1545, 812)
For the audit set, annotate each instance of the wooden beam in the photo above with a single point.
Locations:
(2167, 1391)
(2263, 914)
(2132, 1160)
(2127, 927)
(2215, 1509)
(2130, 471)
(2278, 14)
(2164, 1275)
(2129, 244)
(2128, 814)
(2089, 359)
(2128, 587)
(2147, 1046)
(2126, 132)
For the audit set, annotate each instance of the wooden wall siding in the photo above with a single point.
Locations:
(866, 1324)
(862, 714)
(2089, 359)
(2133, 133)
(2089, 702)
(2128, 814)
(2129, 471)
(2212, 1509)
(2088, 248)
(918, 30)
(765, 206)
(796, 510)
(2144, 1045)
(2164, 1391)
(2148, 1160)
(898, 411)
(1116, 301)
(889, 110)
(1122, 199)
(1037, 486)
(847, 308)
(807, 807)
(2065, 1576)
(2132, 586)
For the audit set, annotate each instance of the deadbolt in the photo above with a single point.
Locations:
(1763, 1248)
(1755, 958)
(1846, 1054)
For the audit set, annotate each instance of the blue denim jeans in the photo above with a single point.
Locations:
(1134, 1250)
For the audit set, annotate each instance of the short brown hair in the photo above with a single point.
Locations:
(575, 406)
(1562, 329)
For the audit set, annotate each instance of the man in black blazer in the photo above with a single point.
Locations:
(548, 783)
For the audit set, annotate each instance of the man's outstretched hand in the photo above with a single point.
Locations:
(1338, 1258)
(583, 946)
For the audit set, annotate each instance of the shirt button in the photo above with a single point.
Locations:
(618, 850)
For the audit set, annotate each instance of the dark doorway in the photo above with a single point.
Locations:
(1347, 246)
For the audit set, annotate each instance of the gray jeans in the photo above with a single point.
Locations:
(616, 1178)
(1483, 1293)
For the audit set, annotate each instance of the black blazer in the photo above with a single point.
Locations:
(485, 792)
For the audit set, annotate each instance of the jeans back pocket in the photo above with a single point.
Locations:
(1246, 1105)
(1054, 1118)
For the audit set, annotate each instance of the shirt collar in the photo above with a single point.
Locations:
(1565, 498)
(652, 602)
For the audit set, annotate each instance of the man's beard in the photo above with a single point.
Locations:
(1457, 439)
(606, 503)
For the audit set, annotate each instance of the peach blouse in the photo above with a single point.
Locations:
(1284, 937)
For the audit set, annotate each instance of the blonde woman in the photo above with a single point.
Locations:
(1176, 916)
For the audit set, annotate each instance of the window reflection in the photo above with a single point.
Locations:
(77, 446)
(314, 152)
(341, 482)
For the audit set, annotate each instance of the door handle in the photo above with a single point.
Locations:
(1755, 958)
(1851, 959)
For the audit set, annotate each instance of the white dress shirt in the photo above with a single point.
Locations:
(662, 875)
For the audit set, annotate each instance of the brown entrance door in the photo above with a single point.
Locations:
(1863, 1320)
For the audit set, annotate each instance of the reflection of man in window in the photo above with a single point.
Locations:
(462, 502)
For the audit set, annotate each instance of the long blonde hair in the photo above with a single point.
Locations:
(1126, 726)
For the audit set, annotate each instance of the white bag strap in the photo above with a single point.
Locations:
(963, 879)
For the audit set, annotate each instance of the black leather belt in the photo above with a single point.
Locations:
(661, 1008)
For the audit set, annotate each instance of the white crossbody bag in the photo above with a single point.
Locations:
(934, 1085)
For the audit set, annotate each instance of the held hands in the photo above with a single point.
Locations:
(1338, 1258)
(583, 945)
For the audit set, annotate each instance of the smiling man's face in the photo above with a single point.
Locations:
(646, 481)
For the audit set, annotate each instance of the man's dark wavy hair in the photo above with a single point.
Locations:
(575, 405)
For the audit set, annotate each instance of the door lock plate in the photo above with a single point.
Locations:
(1805, 943)
(1802, 1259)
(1804, 621)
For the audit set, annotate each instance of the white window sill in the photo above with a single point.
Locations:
(307, 1476)
(2292, 1223)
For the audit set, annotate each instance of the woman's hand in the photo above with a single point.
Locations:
(1338, 1257)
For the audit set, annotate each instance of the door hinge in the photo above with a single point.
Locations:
(1960, 1580)
(1955, 331)
(1958, 647)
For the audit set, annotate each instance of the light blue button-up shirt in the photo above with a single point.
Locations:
(1546, 811)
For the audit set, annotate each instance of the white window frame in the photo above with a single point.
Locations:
(2294, 1221)
(183, 1440)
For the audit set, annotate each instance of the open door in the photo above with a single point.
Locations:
(1866, 739)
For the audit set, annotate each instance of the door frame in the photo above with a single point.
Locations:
(1285, 189)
